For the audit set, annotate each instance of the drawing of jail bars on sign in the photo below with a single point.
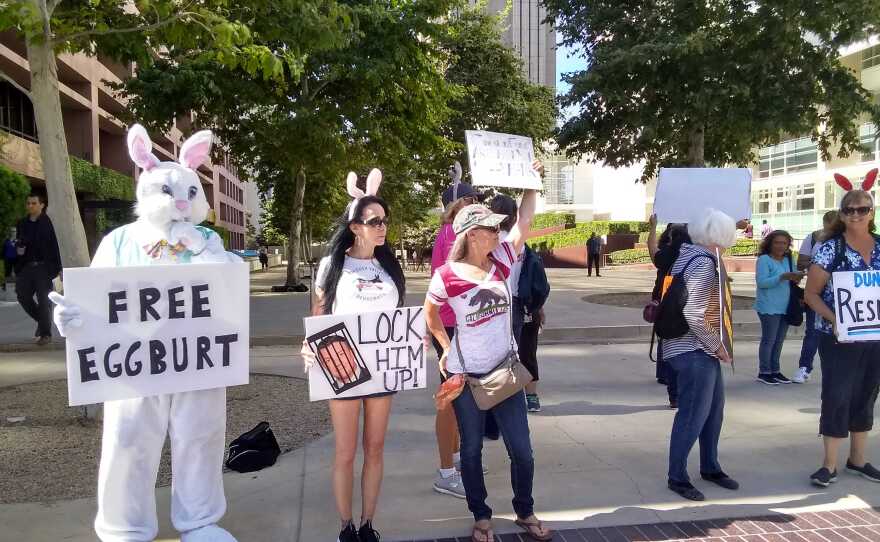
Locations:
(339, 359)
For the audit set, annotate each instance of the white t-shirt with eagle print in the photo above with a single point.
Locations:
(482, 312)
(363, 286)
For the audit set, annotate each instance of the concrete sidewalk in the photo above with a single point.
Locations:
(600, 449)
(276, 318)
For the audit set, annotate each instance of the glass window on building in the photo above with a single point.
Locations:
(559, 181)
(804, 197)
(17, 112)
(762, 202)
(870, 142)
(871, 57)
(788, 157)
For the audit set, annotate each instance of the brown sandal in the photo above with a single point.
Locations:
(484, 532)
(539, 526)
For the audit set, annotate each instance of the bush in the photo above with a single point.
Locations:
(581, 232)
(102, 183)
(743, 247)
(14, 190)
(630, 256)
(549, 220)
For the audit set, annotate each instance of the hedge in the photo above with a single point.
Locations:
(100, 182)
(549, 220)
(742, 247)
(581, 232)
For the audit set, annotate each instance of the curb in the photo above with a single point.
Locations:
(552, 335)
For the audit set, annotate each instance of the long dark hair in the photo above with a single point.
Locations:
(674, 235)
(505, 205)
(343, 239)
(767, 243)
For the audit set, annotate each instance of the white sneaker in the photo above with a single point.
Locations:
(801, 376)
(450, 486)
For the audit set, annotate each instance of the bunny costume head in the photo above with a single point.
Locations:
(170, 191)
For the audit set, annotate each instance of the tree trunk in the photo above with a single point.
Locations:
(63, 207)
(696, 138)
(294, 244)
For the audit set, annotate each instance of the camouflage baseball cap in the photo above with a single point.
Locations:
(475, 215)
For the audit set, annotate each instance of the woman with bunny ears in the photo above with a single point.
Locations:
(359, 274)
(850, 370)
(170, 202)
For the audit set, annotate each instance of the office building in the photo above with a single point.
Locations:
(533, 40)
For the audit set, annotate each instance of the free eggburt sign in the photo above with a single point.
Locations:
(157, 329)
(857, 305)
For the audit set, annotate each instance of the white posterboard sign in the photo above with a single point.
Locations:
(684, 193)
(157, 329)
(857, 305)
(502, 160)
(366, 353)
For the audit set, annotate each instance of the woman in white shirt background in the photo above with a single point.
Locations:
(359, 274)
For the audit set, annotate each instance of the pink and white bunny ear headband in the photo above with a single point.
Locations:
(193, 152)
(867, 184)
(374, 179)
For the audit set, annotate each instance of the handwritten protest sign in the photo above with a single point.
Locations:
(366, 353)
(857, 305)
(501, 160)
(725, 304)
(156, 329)
(684, 193)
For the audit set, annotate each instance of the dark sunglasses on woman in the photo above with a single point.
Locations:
(375, 222)
(861, 211)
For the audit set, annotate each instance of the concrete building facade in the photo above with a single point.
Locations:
(96, 135)
(532, 39)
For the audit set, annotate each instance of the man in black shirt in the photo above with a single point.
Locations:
(38, 262)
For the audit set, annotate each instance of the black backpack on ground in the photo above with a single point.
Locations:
(670, 322)
(254, 450)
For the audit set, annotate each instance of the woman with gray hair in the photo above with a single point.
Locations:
(697, 355)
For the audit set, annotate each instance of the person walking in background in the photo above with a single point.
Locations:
(457, 196)
(9, 255)
(696, 357)
(264, 258)
(810, 345)
(765, 229)
(594, 253)
(748, 230)
(37, 263)
(664, 253)
(774, 271)
(850, 370)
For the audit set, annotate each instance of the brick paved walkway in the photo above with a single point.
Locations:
(854, 525)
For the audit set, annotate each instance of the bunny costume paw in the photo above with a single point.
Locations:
(209, 533)
(66, 316)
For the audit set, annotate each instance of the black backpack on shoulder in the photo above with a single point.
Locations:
(254, 450)
(670, 322)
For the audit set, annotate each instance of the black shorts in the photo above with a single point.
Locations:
(437, 348)
(850, 381)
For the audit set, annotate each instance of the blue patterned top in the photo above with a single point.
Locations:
(852, 261)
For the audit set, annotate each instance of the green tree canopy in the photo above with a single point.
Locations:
(14, 190)
(683, 83)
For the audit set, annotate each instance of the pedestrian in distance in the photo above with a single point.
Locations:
(264, 258)
(810, 344)
(37, 263)
(594, 253)
(474, 283)
(697, 355)
(456, 197)
(766, 229)
(850, 370)
(358, 254)
(774, 271)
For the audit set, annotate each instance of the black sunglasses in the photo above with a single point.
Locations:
(861, 211)
(375, 222)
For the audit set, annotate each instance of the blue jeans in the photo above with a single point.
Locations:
(514, 425)
(773, 330)
(811, 341)
(700, 413)
(667, 373)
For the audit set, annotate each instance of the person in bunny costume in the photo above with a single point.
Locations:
(170, 202)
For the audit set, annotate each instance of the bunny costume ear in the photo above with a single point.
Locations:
(843, 182)
(140, 148)
(196, 149)
(870, 177)
(374, 179)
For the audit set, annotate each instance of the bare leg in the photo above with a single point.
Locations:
(532, 388)
(858, 445)
(345, 416)
(376, 412)
(447, 436)
(832, 445)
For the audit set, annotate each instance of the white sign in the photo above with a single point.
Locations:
(502, 160)
(366, 353)
(857, 305)
(157, 329)
(684, 193)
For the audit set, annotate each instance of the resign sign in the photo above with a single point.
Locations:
(366, 353)
(857, 305)
(156, 329)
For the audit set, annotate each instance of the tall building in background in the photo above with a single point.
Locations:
(535, 41)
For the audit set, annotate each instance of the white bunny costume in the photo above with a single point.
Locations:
(170, 201)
